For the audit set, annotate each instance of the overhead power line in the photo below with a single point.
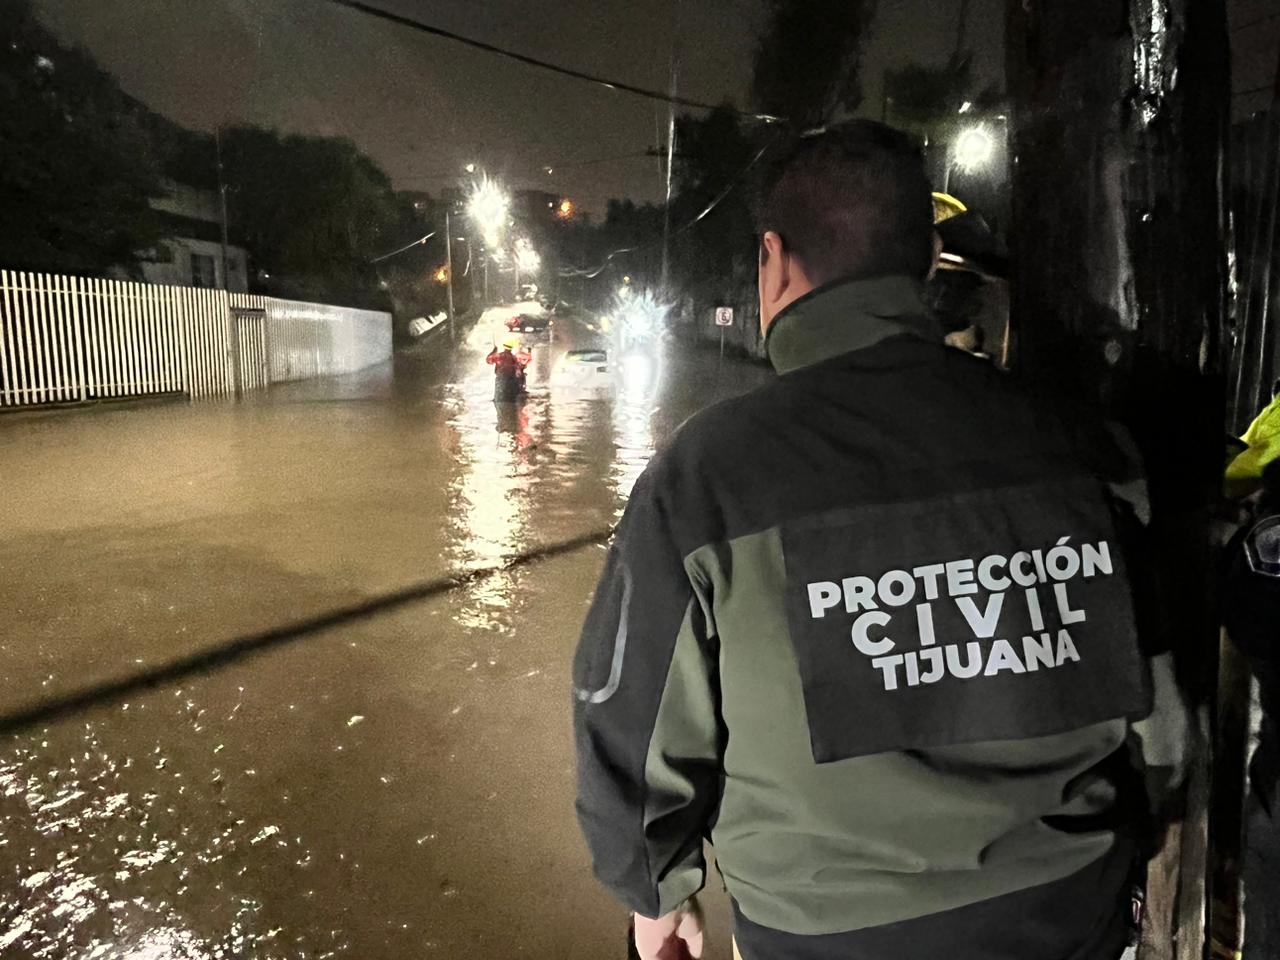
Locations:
(619, 85)
(408, 246)
(234, 651)
(715, 202)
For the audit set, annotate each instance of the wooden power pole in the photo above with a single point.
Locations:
(1120, 116)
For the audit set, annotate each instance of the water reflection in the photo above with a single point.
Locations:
(113, 854)
(138, 836)
(640, 379)
(633, 441)
(583, 448)
(497, 478)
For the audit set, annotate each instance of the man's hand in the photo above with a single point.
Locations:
(676, 936)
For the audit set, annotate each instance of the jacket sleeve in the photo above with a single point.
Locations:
(1161, 741)
(646, 714)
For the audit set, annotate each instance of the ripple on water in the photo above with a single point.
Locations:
(103, 857)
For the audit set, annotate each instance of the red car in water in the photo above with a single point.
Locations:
(531, 323)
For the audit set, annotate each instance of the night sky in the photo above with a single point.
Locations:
(423, 106)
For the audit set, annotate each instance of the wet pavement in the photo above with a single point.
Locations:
(396, 787)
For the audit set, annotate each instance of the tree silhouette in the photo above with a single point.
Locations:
(313, 211)
(79, 169)
(807, 61)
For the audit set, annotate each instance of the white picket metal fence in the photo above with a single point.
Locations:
(66, 339)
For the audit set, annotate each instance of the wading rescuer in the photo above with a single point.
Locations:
(508, 370)
(880, 630)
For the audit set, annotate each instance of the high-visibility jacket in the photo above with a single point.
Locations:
(872, 631)
(508, 363)
(1262, 441)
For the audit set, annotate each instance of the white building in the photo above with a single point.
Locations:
(191, 253)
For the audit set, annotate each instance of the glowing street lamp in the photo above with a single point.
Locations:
(488, 207)
(973, 149)
(566, 209)
(527, 258)
(638, 315)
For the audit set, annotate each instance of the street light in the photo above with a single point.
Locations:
(973, 149)
(527, 258)
(488, 207)
(637, 315)
(566, 209)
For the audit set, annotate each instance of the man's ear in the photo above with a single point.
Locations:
(937, 255)
(775, 267)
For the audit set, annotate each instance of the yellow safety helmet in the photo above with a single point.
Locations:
(511, 343)
(946, 206)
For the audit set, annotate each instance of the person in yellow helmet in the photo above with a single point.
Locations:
(508, 370)
(1250, 603)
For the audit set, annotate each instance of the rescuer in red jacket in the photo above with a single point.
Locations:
(508, 368)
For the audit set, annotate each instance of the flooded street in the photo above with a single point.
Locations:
(396, 786)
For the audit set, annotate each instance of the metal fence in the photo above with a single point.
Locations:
(66, 339)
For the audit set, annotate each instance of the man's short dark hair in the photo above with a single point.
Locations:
(851, 201)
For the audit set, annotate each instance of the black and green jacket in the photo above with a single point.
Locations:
(871, 630)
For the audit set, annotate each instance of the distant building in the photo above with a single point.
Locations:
(191, 253)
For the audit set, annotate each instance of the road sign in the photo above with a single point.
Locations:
(724, 316)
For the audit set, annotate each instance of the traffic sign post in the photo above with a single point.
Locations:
(724, 318)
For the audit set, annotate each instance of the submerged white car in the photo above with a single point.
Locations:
(583, 370)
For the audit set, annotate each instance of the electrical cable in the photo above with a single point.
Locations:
(619, 85)
(242, 648)
(715, 202)
(408, 246)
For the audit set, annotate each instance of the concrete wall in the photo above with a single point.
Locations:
(357, 338)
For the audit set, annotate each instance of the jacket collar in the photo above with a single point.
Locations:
(848, 315)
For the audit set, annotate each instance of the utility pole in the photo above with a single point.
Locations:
(448, 257)
(671, 146)
(222, 198)
(1120, 113)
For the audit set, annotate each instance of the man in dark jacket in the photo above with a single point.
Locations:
(1251, 613)
(870, 629)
